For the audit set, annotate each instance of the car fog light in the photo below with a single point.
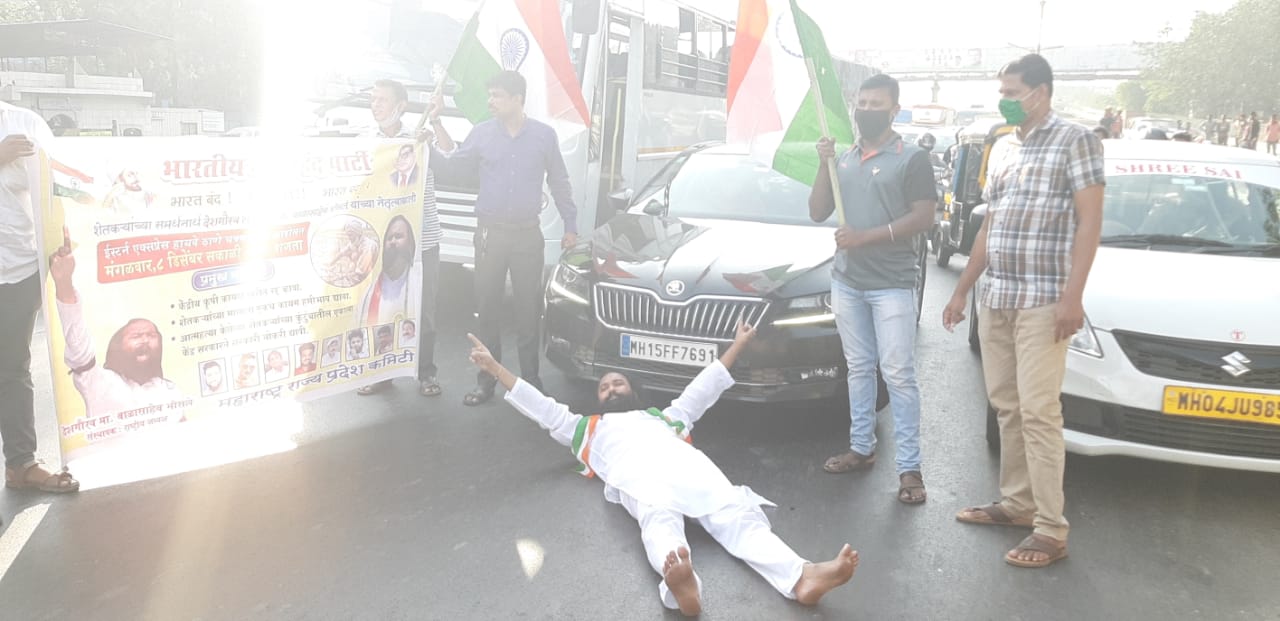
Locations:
(819, 373)
(1085, 341)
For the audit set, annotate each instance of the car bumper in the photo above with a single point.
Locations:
(1112, 408)
(780, 365)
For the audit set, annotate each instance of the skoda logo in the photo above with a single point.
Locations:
(675, 287)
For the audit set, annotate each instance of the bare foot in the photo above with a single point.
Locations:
(678, 572)
(819, 578)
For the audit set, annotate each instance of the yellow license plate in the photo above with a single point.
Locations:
(1249, 407)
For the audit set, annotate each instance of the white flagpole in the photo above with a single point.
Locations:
(822, 122)
(440, 78)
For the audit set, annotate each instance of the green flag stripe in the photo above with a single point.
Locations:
(472, 67)
(796, 157)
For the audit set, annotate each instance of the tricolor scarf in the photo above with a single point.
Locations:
(586, 431)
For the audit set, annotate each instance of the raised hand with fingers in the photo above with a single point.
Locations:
(62, 266)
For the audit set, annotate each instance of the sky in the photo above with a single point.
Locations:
(995, 23)
(897, 24)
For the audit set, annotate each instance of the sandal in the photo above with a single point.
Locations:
(477, 396)
(849, 462)
(908, 484)
(373, 388)
(429, 387)
(59, 483)
(1053, 550)
(992, 515)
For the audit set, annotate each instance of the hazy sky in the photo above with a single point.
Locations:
(886, 24)
(994, 23)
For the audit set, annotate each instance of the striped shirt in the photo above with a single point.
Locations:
(1031, 219)
(431, 233)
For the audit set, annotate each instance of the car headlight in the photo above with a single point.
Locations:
(1085, 341)
(568, 283)
(811, 302)
(808, 310)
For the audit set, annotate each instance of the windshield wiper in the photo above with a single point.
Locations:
(1164, 240)
(1262, 250)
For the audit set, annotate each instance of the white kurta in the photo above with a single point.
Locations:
(107, 392)
(659, 478)
(640, 455)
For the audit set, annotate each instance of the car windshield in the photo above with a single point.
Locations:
(1187, 212)
(736, 187)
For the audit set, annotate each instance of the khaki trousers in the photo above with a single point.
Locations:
(1024, 368)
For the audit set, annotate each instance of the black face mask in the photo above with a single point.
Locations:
(624, 403)
(872, 123)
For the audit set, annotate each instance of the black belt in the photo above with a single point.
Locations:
(510, 226)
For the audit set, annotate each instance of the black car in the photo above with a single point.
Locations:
(713, 238)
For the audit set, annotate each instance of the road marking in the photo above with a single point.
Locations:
(18, 534)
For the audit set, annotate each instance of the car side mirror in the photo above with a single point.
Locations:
(621, 199)
(655, 208)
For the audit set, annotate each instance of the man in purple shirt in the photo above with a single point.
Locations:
(514, 155)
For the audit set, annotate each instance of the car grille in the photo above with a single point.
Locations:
(702, 317)
(1230, 438)
(1199, 361)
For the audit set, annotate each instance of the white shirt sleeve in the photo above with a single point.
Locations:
(701, 394)
(551, 415)
(79, 345)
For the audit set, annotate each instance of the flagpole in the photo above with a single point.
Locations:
(422, 120)
(822, 122)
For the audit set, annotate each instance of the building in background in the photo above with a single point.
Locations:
(53, 69)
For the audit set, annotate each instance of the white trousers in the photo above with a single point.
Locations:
(743, 530)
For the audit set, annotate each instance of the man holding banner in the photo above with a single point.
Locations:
(389, 101)
(888, 195)
(23, 131)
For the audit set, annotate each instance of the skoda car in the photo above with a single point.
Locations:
(1179, 357)
(713, 238)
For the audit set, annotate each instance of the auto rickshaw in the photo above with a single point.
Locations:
(957, 224)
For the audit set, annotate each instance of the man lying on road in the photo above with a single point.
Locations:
(648, 465)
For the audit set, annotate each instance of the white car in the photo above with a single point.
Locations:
(1179, 358)
(1139, 126)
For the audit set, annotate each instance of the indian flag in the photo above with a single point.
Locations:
(770, 103)
(525, 36)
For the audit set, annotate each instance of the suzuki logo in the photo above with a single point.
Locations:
(675, 287)
(1237, 364)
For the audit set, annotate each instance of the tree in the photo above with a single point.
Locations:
(213, 58)
(1227, 64)
(1132, 97)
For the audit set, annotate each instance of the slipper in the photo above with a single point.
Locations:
(908, 483)
(848, 462)
(58, 483)
(1053, 549)
(373, 388)
(429, 387)
(991, 515)
(477, 396)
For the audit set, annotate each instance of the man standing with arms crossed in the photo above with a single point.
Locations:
(515, 155)
(889, 195)
(388, 104)
(1044, 191)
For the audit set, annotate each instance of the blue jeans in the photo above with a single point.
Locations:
(881, 325)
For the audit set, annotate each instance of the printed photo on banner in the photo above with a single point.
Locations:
(190, 280)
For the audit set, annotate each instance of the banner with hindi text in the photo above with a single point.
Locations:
(190, 279)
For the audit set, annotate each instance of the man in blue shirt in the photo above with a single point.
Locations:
(514, 155)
